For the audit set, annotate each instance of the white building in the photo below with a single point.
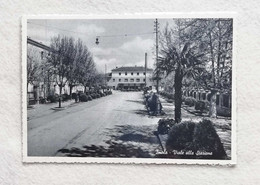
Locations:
(131, 78)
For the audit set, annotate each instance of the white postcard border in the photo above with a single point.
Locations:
(32, 159)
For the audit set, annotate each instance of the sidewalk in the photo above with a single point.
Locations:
(41, 110)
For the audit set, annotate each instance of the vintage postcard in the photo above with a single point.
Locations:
(147, 88)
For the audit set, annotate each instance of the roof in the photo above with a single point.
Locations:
(133, 68)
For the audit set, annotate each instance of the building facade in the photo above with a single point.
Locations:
(130, 78)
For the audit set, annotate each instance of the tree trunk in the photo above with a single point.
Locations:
(60, 95)
(213, 104)
(71, 87)
(178, 94)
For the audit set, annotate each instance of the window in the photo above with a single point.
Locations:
(144, 80)
(114, 80)
(126, 80)
(144, 73)
(137, 73)
(119, 79)
(132, 80)
(138, 80)
(119, 74)
(125, 73)
(132, 73)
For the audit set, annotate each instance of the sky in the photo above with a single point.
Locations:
(122, 42)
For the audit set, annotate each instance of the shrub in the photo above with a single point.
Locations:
(65, 97)
(170, 96)
(190, 101)
(93, 96)
(180, 136)
(83, 98)
(101, 94)
(207, 139)
(196, 137)
(42, 100)
(98, 96)
(53, 98)
(89, 98)
(73, 96)
(164, 125)
(225, 112)
(162, 93)
(202, 105)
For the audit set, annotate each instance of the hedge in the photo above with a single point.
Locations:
(83, 98)
(65, 97)
(53, 98)
(73, 96)
(202, 105)
(190, 101)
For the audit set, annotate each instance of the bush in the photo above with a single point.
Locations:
(65, 97)
(83, 98)
(202, 105)
(53, 98)
(190, 101)
(225, 112)
(42, 100)
(164, 125)
(180, 136)
(207, 139)
(93, 96)
(98, 96)
(73, 96)
(190, 136)
(101, 94)
(89, 98)
(170, 96)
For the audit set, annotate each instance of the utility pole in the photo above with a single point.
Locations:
(145, 68)
(105, 74)
(156, 25)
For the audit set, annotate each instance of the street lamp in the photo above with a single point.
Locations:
(97, 42)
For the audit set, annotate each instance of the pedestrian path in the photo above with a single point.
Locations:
(41, 110)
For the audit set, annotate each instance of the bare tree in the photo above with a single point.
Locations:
(60, 59)
(33, 66)
(76, 64)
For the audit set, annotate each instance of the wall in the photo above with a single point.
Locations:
(129, 76)
(13, 171)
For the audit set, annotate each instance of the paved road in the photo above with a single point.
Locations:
(86, 123)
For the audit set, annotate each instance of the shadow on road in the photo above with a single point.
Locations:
(130, 133)
(125, 141)
(136, 101)
(113, 150)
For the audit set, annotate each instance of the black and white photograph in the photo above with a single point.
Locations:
(139, 89)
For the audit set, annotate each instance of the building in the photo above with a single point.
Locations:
(130, 78)
(45, 83)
